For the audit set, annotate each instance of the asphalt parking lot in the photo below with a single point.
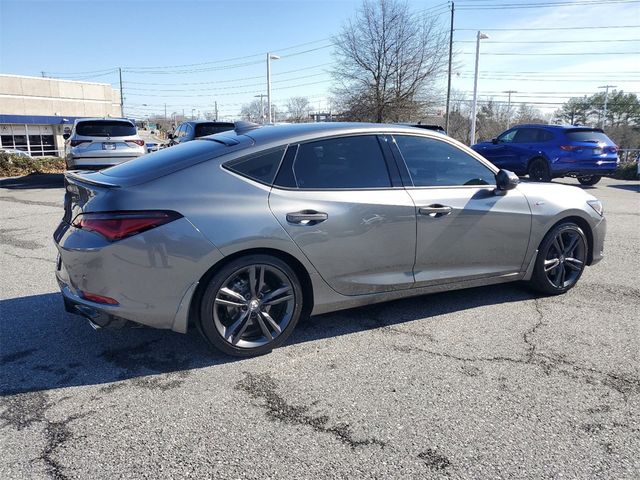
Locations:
(489, 382)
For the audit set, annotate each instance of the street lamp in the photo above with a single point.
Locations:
(474, 107)
(193, 111)
(270, 56)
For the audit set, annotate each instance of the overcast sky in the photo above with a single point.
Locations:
(190, 54)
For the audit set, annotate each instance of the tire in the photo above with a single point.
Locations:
(589, 179)
(562, 257)
(539, 170)
(234, 315)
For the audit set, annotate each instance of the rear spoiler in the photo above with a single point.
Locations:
(90, 178)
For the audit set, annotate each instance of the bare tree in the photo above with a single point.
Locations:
(298, 109)
(252, 112)
(386, 58)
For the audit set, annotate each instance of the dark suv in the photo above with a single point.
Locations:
(188, 131)
(547, 151)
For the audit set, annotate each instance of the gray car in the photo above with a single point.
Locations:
(242, 233)
(96, 143)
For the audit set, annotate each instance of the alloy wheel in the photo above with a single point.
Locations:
(253, 306)
(565, 259)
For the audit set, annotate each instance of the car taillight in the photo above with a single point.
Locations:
(137, 142)
(94, 297)
(570, 148)
(75, 143)
(118, 225)
(611, 149)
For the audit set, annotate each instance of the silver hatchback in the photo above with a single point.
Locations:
(243, 232)
(96, 143)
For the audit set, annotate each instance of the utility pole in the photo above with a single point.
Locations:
(270, 57)
(121, 94)
(262, 95)
(509, 106)
(446, 125)
(165, 112)
(216, 109)
(606, 99)
(474, 107)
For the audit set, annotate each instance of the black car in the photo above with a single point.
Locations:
(188, 131)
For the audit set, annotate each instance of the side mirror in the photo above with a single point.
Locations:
(66, 136)
(506, 180)
(494, 141)
(170, 136)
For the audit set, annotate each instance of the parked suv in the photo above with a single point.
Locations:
(188, 131)
(97, 143)
(547, 151)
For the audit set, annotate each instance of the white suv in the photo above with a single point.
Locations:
(96, 143)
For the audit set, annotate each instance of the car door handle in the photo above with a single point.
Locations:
(307, 217)
(435, 210)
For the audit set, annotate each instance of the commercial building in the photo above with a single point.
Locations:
(35, 112)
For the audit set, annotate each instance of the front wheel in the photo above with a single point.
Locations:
(251, 305)
(539, 170)
(561, 259)
(589, 179)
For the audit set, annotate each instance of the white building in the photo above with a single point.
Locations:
(36, 111)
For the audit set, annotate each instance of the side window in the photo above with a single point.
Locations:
(527, 135)
(347, 162)
(261, 168)
(545, 135)
(507, 137)
(188, 131)
(433, 163)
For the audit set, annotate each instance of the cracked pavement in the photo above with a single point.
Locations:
(491, 382)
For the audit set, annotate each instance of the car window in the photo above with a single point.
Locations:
(346, 162)
(527, 135)
(262, 167)
(507, 137)
(545, 136)
(587, 135)
(105, 128)
(204, 129)
(188, 130)
(433, 163)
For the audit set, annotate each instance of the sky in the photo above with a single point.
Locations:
(191, 54)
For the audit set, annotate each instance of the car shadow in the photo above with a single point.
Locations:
(633, 188)
(42, 347)
(37, 180)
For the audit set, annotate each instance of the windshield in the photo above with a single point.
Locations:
(204, 129)
(588, 135)
(105, 128)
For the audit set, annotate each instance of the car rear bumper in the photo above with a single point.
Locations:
(596, 166)
(149, 275)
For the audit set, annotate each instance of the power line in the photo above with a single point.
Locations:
(511, 6)
(543, 28)
(552, 41)
(550, 53)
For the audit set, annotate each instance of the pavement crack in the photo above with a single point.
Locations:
(30, 257)
(526, 336)
(7, 238)
(263, 387)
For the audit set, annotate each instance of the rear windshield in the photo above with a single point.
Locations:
(587, 135)
(105, 128)
(204, 129)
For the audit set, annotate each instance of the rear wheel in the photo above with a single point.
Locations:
(251, 305)
(589, 179)
(539, 170)
(561, 259)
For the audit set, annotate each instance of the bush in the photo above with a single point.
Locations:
(627, 171)
(17, 165)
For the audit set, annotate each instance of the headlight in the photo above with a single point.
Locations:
(597, 206)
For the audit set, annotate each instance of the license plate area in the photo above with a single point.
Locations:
(108, 146)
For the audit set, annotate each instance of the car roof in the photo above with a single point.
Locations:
(556, 127)
(107, 119)
(263, 134)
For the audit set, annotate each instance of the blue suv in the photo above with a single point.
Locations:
(547, 151)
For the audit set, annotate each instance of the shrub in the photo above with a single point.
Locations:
(627, 171)
(17, 165)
